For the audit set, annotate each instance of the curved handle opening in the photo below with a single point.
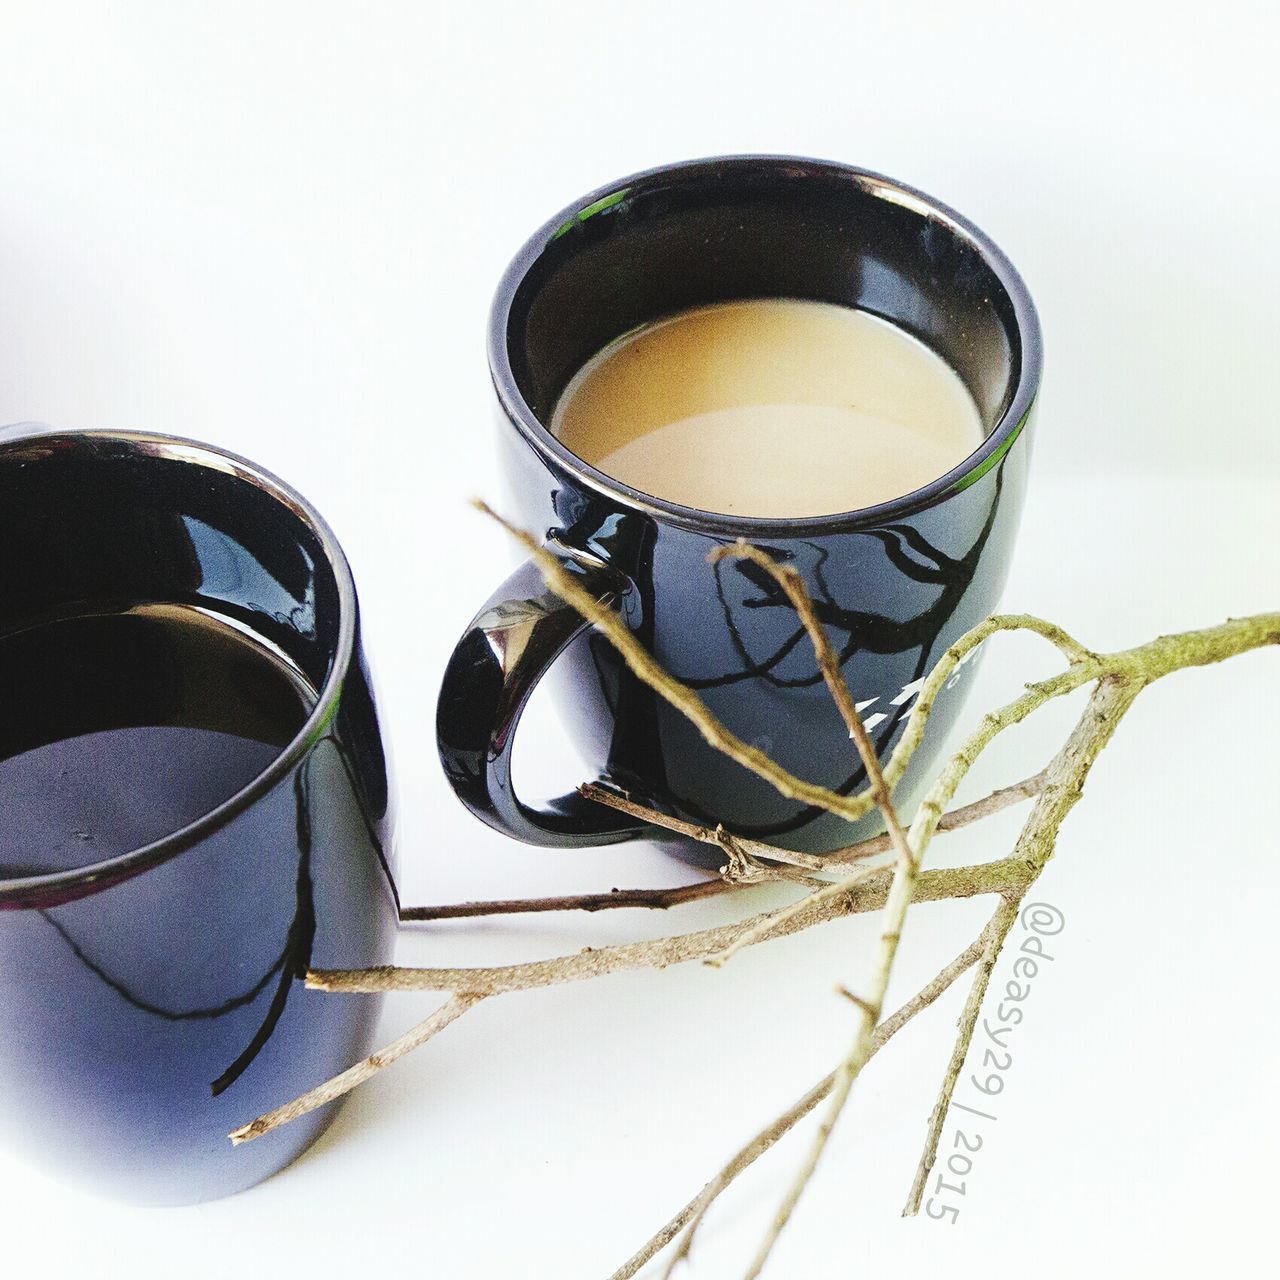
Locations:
(509, 646)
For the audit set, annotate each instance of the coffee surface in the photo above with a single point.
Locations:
(770, 407)
(120, 728)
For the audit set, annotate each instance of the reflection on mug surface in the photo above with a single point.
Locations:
(895, 583)
(179, 645)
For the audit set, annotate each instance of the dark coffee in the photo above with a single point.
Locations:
(121, 728)
(194, 812)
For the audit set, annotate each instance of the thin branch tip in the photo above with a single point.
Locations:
(1117, 679)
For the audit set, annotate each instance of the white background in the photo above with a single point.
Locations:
(278, 227)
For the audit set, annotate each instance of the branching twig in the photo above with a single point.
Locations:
(472, 985)
(680, 696)
(658, 899)
(833, 675)
(1082, 661)
(768, 925)
(689, 704)
(450, 1011)
(1119, 678)
(1065, 779)
(692, 1213)
(606, 795)
(829, 664)
(893, 918)
(1007, 875)
(992, 940)
(847, 858)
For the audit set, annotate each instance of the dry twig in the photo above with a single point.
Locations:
(691, 1214)
(1119, 678)
(655, 899)
(847, 858)
(331, 1090)
(1004, 875)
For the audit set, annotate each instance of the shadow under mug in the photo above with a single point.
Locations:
(153, 1002)
(895, 584)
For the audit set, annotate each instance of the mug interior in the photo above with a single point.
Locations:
(98, 523)
(92, 521)
(761, 227)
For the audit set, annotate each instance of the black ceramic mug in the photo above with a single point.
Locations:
(151, 994)
(895, 584)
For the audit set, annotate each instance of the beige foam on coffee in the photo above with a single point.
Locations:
(770, 407)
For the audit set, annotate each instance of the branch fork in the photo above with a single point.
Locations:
(1117, 680)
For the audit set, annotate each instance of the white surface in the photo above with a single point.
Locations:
(279, 230)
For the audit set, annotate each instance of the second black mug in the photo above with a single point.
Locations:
(195, 809)
(895, 584)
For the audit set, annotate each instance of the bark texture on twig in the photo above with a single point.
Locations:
(743, 1158)
(594, 962)
(469, 986)
(1064, 784)
(685, 700)
(331, 1090)
(901, 888)
(1118, 677)
(656, 899)
(848, 857)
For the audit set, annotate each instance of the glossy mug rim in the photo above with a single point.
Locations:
(973, 468)
(79, 882)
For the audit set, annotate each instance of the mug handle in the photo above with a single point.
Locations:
(508, 647)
